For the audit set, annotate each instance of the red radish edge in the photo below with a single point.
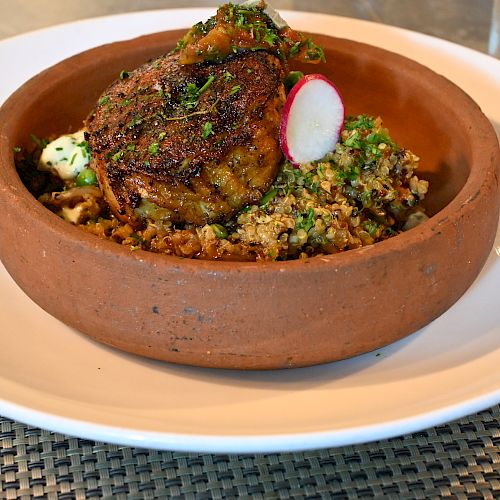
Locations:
(291, 119)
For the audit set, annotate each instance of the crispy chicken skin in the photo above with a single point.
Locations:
(200, 140)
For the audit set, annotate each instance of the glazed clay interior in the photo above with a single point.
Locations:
(254, 315)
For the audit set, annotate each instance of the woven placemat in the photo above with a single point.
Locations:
(457, 460)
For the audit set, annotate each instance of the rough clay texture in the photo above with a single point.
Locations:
(260, 316)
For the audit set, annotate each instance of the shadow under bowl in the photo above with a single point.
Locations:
(259, 315)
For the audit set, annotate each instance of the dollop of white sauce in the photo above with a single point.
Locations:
(66, 156)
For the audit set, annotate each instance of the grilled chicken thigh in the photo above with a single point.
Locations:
(200, 141)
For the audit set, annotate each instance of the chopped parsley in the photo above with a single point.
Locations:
(207, 130)
(235, 89)
(190, 96)
(118, 156)
(305, 222)
(154, 148)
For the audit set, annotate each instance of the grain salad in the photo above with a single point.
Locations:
(364, 192)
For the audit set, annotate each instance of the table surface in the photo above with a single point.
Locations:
(458, 460)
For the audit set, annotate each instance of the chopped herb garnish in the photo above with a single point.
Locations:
(137, 120)
(191, 94)
(73, 159)
(17, 149)
(307, 222)
(228, 76)
(219, 231)
(268, 197)
(362, 122)
(124, 74)
(154, 148)
(209, 82)
(137, 237)
(130, 147)
(235, 89)
(118, 156)
(207, 130)
(103, 100)
(161, 136)
(41, 143)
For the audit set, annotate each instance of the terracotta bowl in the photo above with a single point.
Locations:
(250, 315)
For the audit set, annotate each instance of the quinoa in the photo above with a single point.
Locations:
(364, 192)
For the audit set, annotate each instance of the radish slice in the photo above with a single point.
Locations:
(311, 120)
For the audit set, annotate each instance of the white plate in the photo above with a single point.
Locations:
(55, 378)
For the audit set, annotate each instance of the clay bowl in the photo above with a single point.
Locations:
(251, 315)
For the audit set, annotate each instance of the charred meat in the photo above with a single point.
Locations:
(199, 141)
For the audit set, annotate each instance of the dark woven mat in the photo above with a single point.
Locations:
(457, 460)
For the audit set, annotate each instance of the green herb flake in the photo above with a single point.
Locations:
(361, 122)
(189, 98)
(103, 100)
(228, 76)
(41, 143)
(137, 120)
(118, 156)
(305, 222)
(235, 89)
(353, 141)
(73, 158)
(130, 147)
(124, 74)
(207, 130)
(268, 197)
(17, 149)
(219, 231)
(154, 148)
(207, 84)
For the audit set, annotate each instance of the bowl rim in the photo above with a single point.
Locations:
(12, 187)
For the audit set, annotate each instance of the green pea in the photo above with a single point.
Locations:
(86, 177)
(292, 78)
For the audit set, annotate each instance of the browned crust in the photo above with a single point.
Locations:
(147, 143)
